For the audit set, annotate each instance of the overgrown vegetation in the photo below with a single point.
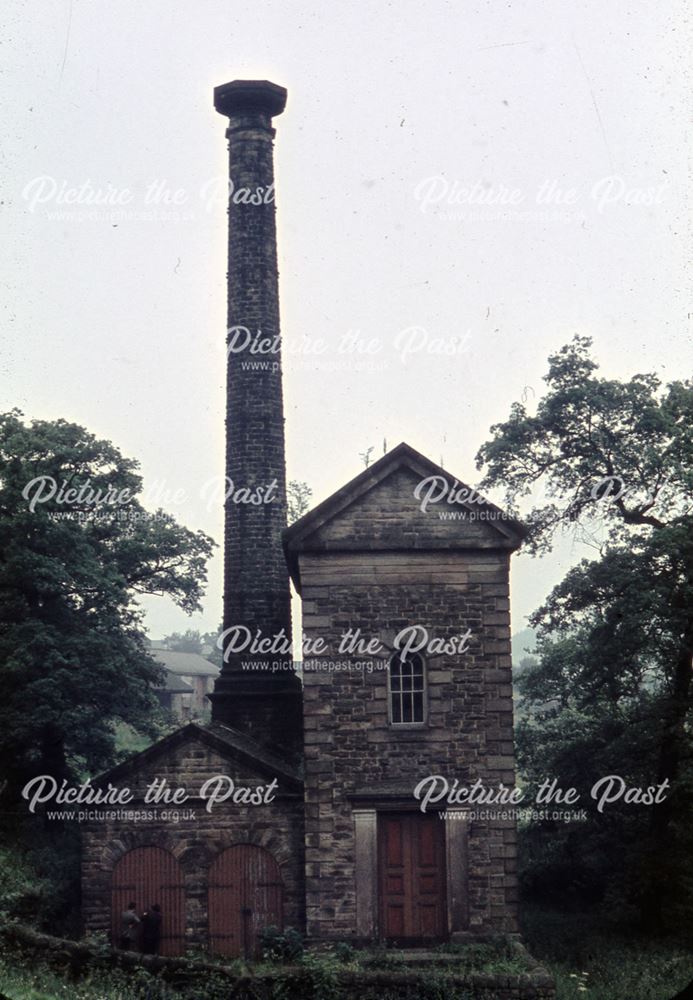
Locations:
(281, 946)
(311, 976)
(37, 981)
(39, 878)
(610, 691)
(128, 741)
(497, 957)
(594, 958)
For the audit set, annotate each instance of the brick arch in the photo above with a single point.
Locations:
(148, 874)
(269, 839)
(197, 857)
(245, 894)
(277, 846)
(130, 839)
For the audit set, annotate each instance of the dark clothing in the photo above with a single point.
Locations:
(151, 932)
(129, 929)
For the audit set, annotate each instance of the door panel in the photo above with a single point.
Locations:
(148, 875)
(245, 896)
(411, 878)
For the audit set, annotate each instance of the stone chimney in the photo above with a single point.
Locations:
(257, 692)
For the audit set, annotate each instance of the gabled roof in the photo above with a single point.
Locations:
(226, 741)
(190, 664)
(173, 684)
(315, 531)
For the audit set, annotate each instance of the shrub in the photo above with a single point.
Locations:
(322, 975)
(280, 946)
(344, 952)
(39, 878)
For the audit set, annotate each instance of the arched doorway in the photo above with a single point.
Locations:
(245, 896)
(148, 875)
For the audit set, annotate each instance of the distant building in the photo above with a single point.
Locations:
(175, 695)
(188, 681)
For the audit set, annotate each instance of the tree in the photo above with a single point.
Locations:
(194, 641)
(620, 453)
(594, 704)
(76, 549)
(612, 461)
(189, 641)
(298, 495)
(211, 640)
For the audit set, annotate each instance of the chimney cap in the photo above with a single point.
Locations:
(249, 95)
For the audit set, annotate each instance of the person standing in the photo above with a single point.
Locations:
(151, 930)
(129, 927)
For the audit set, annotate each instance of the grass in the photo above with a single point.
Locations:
(593, 960)
(21, 980)
(32, 980)
(18, 982)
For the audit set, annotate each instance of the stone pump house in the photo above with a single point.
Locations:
(326, 799)
(379, 570)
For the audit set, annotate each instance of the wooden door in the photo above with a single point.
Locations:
(245, 896)
(411, 878)
(148, 875)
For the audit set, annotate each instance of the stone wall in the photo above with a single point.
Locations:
(349, 744)
(195, 842)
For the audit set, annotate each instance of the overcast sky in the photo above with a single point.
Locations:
(567, 120)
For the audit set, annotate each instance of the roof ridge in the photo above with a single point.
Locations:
(232, 738)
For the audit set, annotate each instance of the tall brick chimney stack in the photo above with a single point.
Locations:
(264, 701)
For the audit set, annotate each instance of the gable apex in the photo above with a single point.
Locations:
(403, 501)
(229, 743)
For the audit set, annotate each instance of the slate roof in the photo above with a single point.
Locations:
(189, 664)
(173, 684)
(228, 742)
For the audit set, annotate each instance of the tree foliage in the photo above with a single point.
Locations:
(193, 641)
(620, 453)
(298, 496)
(190, 641)
(611, 691)
(73, 561)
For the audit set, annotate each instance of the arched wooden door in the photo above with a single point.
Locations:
(148, 875)
(245, 896)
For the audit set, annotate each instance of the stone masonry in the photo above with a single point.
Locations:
(187, 759)
(370, 558)
(256, 584)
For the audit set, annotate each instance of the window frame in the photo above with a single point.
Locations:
(418, 724)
